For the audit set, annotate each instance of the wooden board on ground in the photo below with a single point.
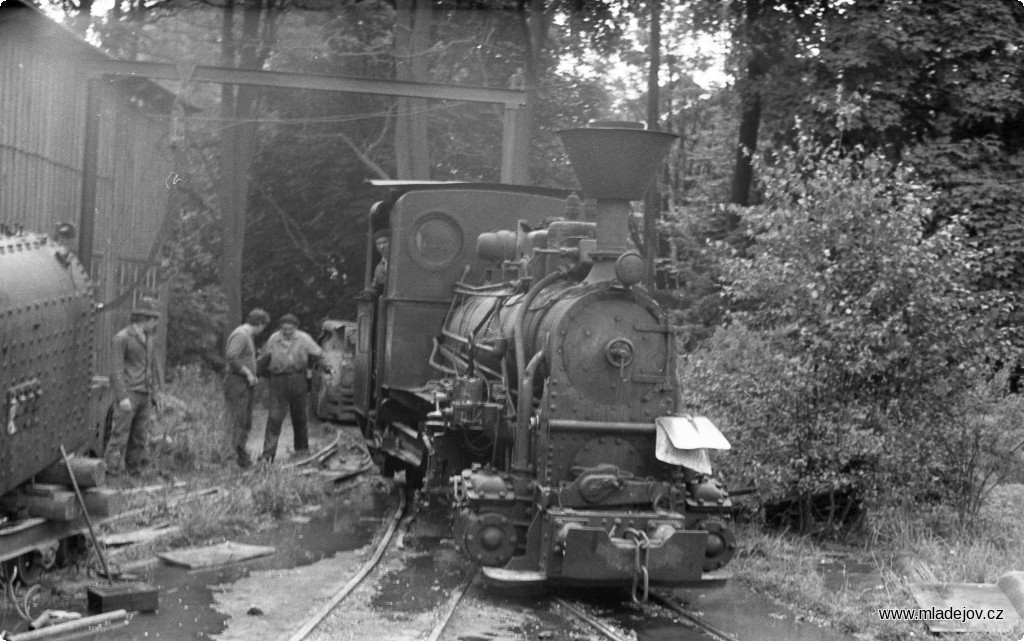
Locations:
(215, 555)
(972, 604)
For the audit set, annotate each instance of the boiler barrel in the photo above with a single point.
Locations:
(46, 355)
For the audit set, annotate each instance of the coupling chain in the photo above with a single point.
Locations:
(641, 578)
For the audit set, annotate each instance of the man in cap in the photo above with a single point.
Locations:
(382, 242)
(135, 382)
(289, 352)
(240, 381)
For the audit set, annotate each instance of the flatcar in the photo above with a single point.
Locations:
(518, 370)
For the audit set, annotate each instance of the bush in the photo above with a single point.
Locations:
(191, 431)
(856, 345)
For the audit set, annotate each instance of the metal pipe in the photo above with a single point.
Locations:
(85, 513)
(524, 305)
(521, 444)
(71, 626)
(90, 170)
(567, 425)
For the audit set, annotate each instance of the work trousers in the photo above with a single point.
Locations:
(288, 394)
(129, 435)
(239, 397)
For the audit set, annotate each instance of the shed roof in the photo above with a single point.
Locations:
(22, 20)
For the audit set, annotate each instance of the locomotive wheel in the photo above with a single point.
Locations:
(388, 465)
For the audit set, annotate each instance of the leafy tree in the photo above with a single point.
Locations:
(855, 335)
(940, 85)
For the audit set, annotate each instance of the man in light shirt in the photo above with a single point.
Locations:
(287, 356)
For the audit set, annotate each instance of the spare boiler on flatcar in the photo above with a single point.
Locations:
(46, 356)
(551, 414)
(50, 396)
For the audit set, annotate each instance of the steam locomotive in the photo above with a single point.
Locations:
(50, 396)
(515, 366)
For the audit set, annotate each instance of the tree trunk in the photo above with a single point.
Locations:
(652, 199)
(231, 246)
(750, 105)
(412, 33)
(743, 170)
(238, 108)
(534, 23)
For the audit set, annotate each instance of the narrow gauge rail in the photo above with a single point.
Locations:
(689, 619)
(397, 523)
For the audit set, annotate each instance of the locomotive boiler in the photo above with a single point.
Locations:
(549, 417)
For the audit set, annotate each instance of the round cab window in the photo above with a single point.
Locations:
(436, 241)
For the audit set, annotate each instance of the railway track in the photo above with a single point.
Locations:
(566, 610)
(687, 620)
(394, 532)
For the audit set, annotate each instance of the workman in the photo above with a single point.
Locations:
(240, 381)
(135, 380)
(382, 242)
(287, 358)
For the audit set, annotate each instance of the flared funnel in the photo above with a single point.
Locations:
(615, 162)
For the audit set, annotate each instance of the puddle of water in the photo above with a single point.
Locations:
(346, 523)
(748, 615)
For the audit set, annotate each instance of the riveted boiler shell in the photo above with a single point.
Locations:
(46, 356)
(609, 357)
(602, 350)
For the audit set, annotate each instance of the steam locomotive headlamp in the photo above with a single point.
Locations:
(630, 268)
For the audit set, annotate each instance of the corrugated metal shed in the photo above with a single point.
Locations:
(43, 100)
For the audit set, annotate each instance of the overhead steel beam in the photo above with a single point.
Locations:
(292, 80)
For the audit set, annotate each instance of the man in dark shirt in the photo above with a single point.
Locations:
(240, 381)
(135, 380)
(382, 242)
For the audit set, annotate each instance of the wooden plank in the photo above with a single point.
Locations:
(59, 506)
(89, 472)
(215, 555)
(103, 501)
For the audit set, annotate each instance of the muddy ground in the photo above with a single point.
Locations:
(403, 598)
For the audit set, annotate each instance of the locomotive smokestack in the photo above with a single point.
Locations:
(614, 163)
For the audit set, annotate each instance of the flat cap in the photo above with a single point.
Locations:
(146, 306)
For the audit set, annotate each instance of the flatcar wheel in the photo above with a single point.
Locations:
(72, 549)
(24, 568)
